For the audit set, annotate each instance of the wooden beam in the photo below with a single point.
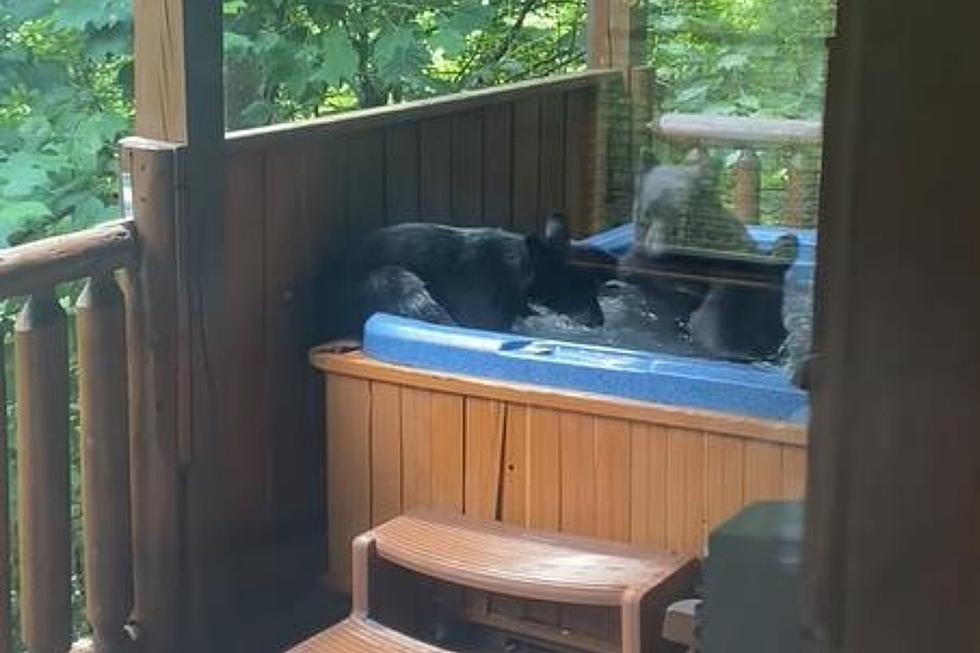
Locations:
(617, 33)
(894, 499)
(179, 99)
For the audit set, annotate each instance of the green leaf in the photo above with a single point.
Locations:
(398, 54)
(339, 59)
(22, 173)
(237, 44)
(233, 7)
(13, 213)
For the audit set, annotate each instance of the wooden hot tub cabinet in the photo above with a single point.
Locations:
(401, 438)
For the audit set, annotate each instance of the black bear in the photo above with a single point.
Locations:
(475, 277)
(700, 267)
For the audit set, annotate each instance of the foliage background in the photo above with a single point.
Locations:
(66, 84)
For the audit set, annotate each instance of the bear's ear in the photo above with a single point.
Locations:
(785, 249)
(556, 231)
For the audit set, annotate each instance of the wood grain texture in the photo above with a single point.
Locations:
(103, 413)
(497, 161)
(386, 452)
(358, 365)
(794, 472)
(649, 461)
(467, 164)
(725, 474)
(526, 153)
(686, 527)
(551, 194)
(6, 618)
(366, 181)
(436, 170)
(41, 358)
(485, 424)
(416, 448)
(514, 498)
(348, 473)
(544, 469)
(577, 443)
(402, 173)
(612, 459)
(447, 452)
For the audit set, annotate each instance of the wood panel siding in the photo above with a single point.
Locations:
(552, 460)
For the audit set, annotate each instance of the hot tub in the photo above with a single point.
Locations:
(625, 445)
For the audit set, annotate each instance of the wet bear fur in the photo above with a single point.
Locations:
(475, 277)
(701, 269)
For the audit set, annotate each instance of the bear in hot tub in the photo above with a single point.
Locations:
(700, 268)
(475, 277)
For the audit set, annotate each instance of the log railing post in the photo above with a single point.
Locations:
(102, 386)
(42, 465)
(748, 183)
(800, 195)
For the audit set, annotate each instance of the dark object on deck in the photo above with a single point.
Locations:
(752, 581)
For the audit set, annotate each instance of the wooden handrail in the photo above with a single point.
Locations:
(417, 110)
(44, 263)
(733, 130)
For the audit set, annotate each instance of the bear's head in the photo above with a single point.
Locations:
(566, 276)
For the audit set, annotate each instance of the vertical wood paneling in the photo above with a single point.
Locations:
(333, 201)
(725, 478)
(544, 470)
(527, 148)
(578, 473)
(436, 170)
(763, 471)
(232, 402)
(291, 387)
(513, 509)
(416, 448)
(497, 159)
(348, 472)
(551, 196)
(447, 451)
(685, 491)
(794, 472)
(484, 457)
(579, 164)
(648, 485)
(467, 187)
(402, 173)
(386, 452)
(366, 179)
(612, 457)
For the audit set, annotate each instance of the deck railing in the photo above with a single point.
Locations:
(43, 436)
(799, 140)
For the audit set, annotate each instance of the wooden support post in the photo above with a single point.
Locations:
(800, 202)
(616, 39)
(179, 99)
(154, 351)
(748, 182)
(41, 350)
(102, 391)
(6, 644)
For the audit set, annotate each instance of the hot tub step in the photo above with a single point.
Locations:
(356, 634)
(596, 595)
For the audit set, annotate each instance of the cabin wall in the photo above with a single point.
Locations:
(400, 439)
(290, 200)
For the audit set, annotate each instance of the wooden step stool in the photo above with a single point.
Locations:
(567, 578)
